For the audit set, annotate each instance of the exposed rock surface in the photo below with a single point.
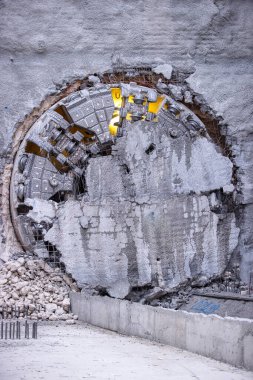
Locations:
(149, 218)
(210, 44)
(32, 288)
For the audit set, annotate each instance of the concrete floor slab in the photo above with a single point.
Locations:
(85, 352)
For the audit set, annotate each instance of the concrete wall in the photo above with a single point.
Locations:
(226, 339)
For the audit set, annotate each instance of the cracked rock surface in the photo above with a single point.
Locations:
(210, 44)
(150, 218)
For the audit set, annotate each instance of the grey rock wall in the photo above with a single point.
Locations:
(148, 218)
(45, 45)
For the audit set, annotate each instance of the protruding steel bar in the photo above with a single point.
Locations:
(26, 330)
(13, 330)
(6, 331)
(16, 329)
(19, 330)
(34, 330)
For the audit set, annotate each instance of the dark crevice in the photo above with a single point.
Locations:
(58, 197)
(101, 291)
(23, 209)
(62, 110)
(138, 292)
(226, 203)
(143, 76)
(150, 149)
(126, 169)
(213, 128)
(54, 259)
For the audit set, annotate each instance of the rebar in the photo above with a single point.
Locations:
(26, 330)
(10, 330)
(34, 330)
(6, 331)
(18, 330)
(13, 330)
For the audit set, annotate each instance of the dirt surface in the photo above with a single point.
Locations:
(84, 352)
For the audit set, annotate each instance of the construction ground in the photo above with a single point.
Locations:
(81, 351)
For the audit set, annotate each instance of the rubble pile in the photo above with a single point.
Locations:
(230, 282)
(37, 290)
(174, 298)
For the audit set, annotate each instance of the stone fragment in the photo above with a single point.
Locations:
(32, 307)
(21, 271)
(66, 304)
(15, 295)
(52, 317)
(24, 291)
(13, 266)
(70, 321)
(93, 79)
(46, 268)
(21, 260)
(164, 69)
(31, 265)
(187, 97)
(21, 284)
(155, 293)
(51, 307)
(176, 91)
(63, 317)
(56, 279)
(228, 188)
(59, 311)
(67, 279)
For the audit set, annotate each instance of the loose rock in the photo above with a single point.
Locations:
(34, 285)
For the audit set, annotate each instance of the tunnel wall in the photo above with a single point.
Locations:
(225, 339)
(46, 46)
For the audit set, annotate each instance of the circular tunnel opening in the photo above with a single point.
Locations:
(133, 146)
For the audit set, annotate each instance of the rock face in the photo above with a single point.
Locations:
(206, 43)
(151, 218)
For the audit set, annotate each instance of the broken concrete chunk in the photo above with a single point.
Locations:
(66, 304)
(164, 69)
(176, 91)
(187, 97)
(42, 210)
(154, 293)
(119, 289)
(228, 188)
